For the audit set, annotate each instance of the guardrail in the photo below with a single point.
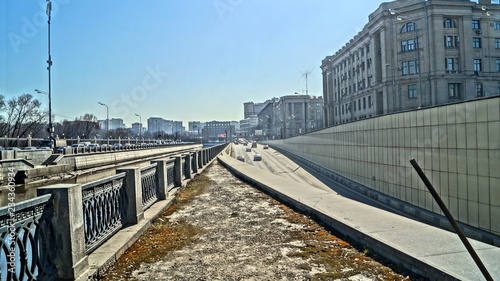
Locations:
(149, 185)
(27, 241)
(104, 204)
(51, 236)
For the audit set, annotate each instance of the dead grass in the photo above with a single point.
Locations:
(339, 258)
(162, 237)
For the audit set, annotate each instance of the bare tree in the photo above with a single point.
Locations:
(24, 117)
(85, 126)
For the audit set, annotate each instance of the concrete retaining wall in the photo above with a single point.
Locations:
(457, 146)
(83, 161)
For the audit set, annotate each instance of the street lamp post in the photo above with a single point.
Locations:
(140, 125)
(393, 12)
(107, 120)
(49, 65)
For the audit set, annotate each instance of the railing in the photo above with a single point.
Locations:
(104, 208)
(149, 186)
(52, 238)
(27, 241)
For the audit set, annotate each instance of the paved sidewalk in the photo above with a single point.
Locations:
(424, 249)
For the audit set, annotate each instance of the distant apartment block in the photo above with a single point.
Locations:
(114, 123)
(413, 54)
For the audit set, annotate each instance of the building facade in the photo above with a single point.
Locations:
(251, 108)
(413, 54)
(290, 116)
(215, 131)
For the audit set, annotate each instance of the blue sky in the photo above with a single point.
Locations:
(181, 60)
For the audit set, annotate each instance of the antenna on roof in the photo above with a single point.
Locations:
(306, 74)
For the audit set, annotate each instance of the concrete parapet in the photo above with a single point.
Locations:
(68, 224)
(178, 171)
(187, 165)
(133, 193)
(161, 174)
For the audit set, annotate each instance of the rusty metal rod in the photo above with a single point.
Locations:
(455, 225)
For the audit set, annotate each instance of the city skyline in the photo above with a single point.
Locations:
(172, 60)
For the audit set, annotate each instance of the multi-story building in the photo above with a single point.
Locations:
(195, 127)
(157, 124)
(247, 126)
(411, 54)
(251, 108)
(137, 129)
(114, 123)
(170, 127)
(216, 131)
(290, 116)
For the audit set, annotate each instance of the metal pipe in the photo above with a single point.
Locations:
(455, 225)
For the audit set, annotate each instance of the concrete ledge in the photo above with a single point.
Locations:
(426, 250)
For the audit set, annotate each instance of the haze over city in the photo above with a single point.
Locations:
(179, 60)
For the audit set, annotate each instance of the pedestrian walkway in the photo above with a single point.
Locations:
(426, 250)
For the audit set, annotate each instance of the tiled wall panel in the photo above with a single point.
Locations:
(458, 147)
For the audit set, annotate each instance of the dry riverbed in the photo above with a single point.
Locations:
(223, 229)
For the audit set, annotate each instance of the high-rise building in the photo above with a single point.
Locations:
(413, 54)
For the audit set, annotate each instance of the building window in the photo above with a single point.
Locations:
(479, 89)
(369, 101)
(411, 26)
(449, 23)
(477, 65)
(411, 67)
(403, 46)
(404, 68)
(364, 103)
(448, 41)
(476, 24)
(498, 64)
(496, 25)
(359, 104)
(476, 42)
(454, 90)
(451, 64)
(354, 103)
(411, 45)
(497, 43)
(412, 91)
